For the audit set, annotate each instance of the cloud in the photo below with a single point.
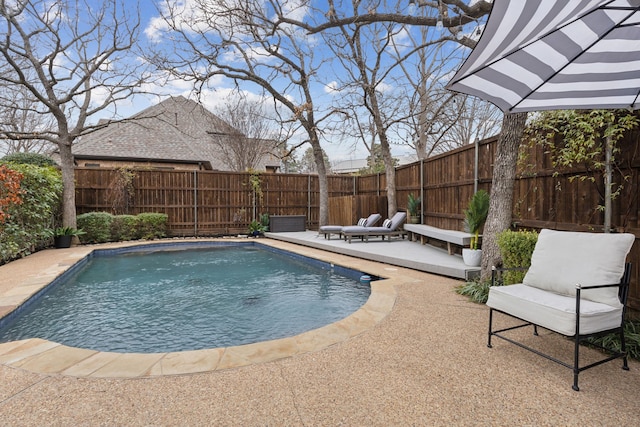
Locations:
(331, 87)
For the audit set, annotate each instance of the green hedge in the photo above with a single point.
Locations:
(101, 227)
(153, 225)
(125, 227)
(29, 159)
(29, 226)
(96, 225)
(516, 248)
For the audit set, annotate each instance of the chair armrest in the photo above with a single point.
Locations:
(623, 285)
(613, 285)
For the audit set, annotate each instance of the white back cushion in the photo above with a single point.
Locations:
(562, 259)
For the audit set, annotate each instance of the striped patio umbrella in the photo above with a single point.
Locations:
(556, 54)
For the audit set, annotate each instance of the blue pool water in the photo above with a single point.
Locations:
(176, 300)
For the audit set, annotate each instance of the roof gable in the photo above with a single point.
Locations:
(176, 128)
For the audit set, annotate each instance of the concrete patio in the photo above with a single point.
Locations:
(424, 363)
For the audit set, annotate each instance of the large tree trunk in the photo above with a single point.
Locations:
(68, 185)
(323, 186)
(504, 175)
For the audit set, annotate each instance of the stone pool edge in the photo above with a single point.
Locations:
(46, 357)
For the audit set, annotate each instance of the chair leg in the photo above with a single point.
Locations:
(576, 361)
(490, 322)
(623, 348)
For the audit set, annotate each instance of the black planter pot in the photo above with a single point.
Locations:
(62, 241)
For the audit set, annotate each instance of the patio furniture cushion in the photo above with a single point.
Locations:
(562, 259)
(362, 222)
(554, 311)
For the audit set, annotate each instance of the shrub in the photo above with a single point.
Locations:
(631, 338)
(124, 227)
(97, 227)
(516, 248)
(152, 225)
(29, 159)
(28, 225)
(476, 290)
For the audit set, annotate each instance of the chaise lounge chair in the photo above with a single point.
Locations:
(328, 230)
(390, 227)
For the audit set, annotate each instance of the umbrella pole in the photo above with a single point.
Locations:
(607, 186)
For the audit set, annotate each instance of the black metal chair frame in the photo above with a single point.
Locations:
(577, 338)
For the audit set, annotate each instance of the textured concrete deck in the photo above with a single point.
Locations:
(425, 364)
(397, 251)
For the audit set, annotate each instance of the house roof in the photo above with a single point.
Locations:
(176, 130)
(354, 165)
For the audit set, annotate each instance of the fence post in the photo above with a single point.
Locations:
(308, 199)
(195, 202)
(422, 199)
(475, 166)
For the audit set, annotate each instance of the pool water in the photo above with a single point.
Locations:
(177, 300)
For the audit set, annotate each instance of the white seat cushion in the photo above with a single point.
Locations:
(553, 311)
(563, 259)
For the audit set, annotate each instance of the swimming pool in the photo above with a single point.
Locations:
(122, 300)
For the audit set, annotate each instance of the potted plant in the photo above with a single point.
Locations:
(413, 207)
(474, 218)
(256, 228)
(62, 236)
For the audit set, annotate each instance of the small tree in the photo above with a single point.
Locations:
(71, 61)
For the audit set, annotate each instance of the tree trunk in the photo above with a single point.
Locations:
(68, 185)
(323, 186)
(501, 204)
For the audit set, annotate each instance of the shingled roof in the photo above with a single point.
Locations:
(176, 130)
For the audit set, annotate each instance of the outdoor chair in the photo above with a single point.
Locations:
(328, 230)
(577, 286)
(390, 227)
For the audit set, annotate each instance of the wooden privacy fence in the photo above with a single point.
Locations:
(214, 203)
(204, 203)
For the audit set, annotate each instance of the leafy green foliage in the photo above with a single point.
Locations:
(476, 290)
(101, 227)
(583, 135)
(476, 215)
(413, 205)
(256, 226)
(29, 159)
(29, 224)
(152, 225)
(124, 227)
(97, 227)
(264, 220)
(516, 248)
(67, 231)
(631, 338)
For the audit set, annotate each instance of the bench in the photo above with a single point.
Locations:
(577, 286)
(426, 232)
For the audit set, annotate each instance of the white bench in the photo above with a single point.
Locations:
(576, 286)
(426, 232)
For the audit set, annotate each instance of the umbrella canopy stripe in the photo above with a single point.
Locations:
(548, 54)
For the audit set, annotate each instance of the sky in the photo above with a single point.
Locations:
(220, 89)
